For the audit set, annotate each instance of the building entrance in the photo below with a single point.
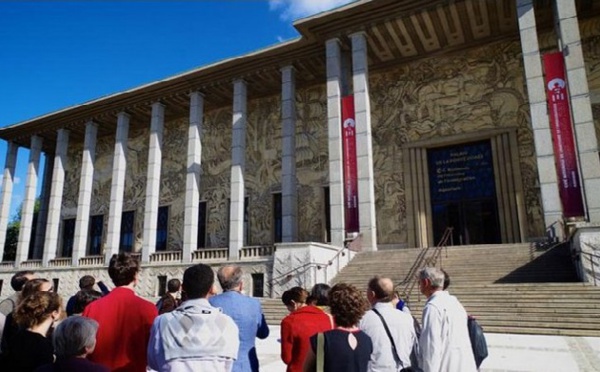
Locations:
(463, 193)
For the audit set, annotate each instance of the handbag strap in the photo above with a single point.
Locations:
(387, 330)
(320, 352)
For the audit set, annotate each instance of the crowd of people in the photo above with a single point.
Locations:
(195, 328)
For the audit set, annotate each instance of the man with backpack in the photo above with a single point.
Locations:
(445, 343)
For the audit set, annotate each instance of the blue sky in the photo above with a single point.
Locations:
(58, 54)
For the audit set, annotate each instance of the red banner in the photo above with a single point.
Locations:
(562, 136)
(349, 160)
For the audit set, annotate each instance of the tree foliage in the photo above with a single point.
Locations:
(12, 233)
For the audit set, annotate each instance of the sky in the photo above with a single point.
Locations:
(56, 54)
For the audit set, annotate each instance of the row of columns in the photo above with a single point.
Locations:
(569, 42)
(335, 79)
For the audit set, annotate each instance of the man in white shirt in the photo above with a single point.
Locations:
(380, 293)
(196, 336)
(445, 343)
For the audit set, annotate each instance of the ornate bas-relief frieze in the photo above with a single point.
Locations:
(447, 95)
(71, 185)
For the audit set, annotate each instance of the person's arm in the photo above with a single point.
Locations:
(263, 328)
(431, 341)
(103, 288)
(154, 346)
(287, 341)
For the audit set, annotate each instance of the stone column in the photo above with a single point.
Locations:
(117, 188)
(29, 201)
(567, 26)
(334, 120)
(238, 167)
(364, 142)
(289, 187)
(192, 182)
(536, 93)
(7, 187)
(153, 180)
(56, 195)
(42, 220)
(82, 223)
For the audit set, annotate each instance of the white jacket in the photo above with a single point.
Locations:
(445, 343)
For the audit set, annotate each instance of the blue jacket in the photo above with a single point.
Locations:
(247, 314)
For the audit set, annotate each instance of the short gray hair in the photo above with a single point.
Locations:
(435, 276)
(73, 335)
(230, 277)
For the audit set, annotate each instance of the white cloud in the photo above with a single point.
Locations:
(294, 9)
(16, 180)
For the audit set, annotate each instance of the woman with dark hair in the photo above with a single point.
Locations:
(319, 296)
(303, 321)
(83, 298)
(30, 348)
(345, 348)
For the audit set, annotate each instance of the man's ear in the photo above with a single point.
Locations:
(213, 290)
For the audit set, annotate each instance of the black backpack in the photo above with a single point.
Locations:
(478, 342)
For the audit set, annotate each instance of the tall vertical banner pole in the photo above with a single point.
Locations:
(565, 158)
(350, 169)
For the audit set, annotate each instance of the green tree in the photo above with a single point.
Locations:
(12, 233)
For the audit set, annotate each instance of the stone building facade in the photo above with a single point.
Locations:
(242, 160)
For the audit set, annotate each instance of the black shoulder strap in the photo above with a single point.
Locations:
(387, 330)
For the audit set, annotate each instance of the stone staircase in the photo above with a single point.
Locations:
(508, 288)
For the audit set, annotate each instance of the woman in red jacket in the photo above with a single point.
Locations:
(296, 328)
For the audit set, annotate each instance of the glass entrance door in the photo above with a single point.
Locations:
(463, 194)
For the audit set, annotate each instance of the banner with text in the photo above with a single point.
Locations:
(349, 161)
(562, 136)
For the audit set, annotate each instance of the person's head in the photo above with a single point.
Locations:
(123, 269)
(87, 282)
(319, 295)
(198, 281)
(380, 290)
(431, 280)
(347, 304)
(20, 278)
(230, 277)
(173, 285)
(446, 280)
(36, 308)
(74, 337)
(84, 298)
(35, 285)
(294, 298)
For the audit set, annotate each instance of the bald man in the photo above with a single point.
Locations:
(246, 313)
(400, 325)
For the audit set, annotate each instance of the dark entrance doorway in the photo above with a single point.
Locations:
(463, 193)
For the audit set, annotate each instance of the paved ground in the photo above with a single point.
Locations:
(509, 353)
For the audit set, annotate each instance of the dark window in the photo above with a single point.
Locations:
(277, 218)
(162, 228)
(127, 225)
(96, 228)
(1, 283)
(31, 252)
(327, 214)
(55, 282)
(162, 285)
(258, 284)
(68, 237)
(202, 225)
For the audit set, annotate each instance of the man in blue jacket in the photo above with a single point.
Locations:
(246, 313)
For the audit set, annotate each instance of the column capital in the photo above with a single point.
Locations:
(124, 114)
(198, 92)
(158, 104)
(357, 34)
(333, 41)
(237, 81)
(288, 68)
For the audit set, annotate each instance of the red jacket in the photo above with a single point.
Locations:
(125, 321)
(296, 329)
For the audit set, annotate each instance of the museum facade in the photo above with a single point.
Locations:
(245, 158)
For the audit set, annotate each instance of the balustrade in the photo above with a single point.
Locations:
(91, 261)
(166, 257)
(60, 262)
(210, 254)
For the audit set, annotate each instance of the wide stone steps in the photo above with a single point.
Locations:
(509, 288)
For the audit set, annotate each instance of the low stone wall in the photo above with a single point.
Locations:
(585, 246)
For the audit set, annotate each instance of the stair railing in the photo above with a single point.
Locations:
(412, 278)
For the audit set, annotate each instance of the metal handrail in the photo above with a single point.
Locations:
(422, 261)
